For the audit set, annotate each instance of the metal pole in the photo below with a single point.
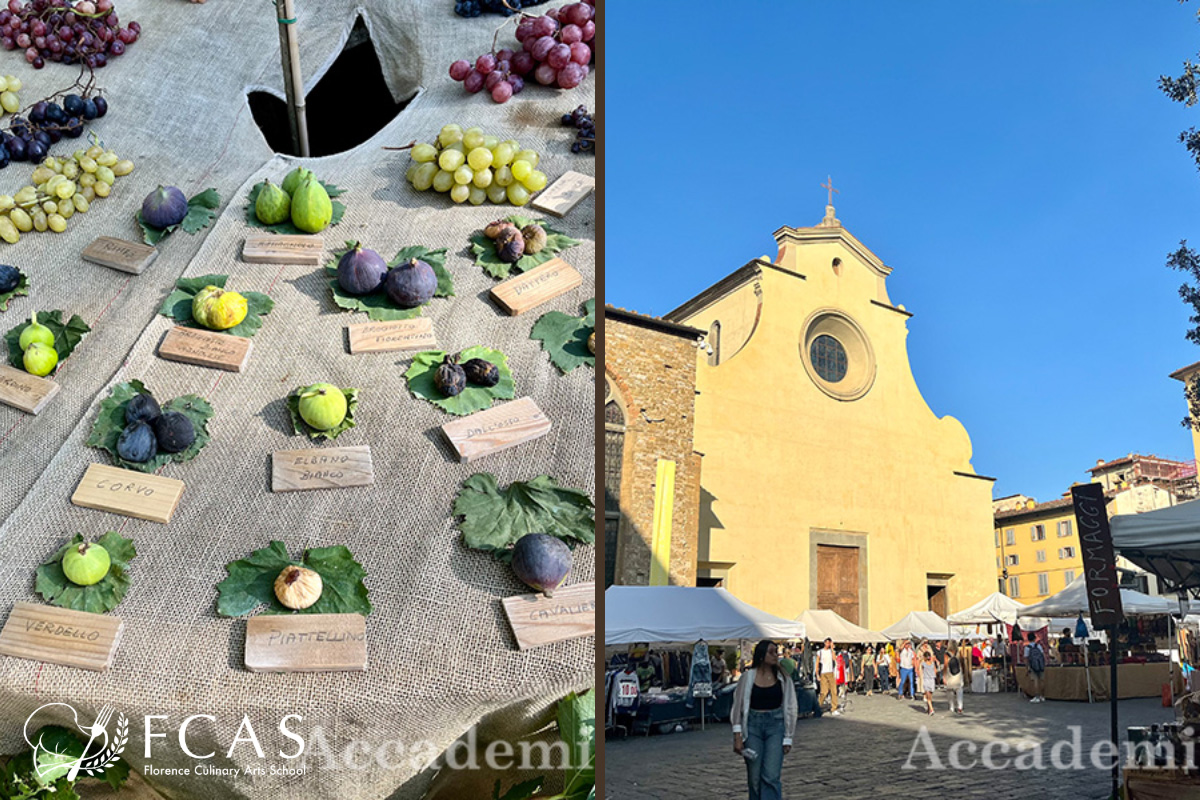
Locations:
(293, 85)
(1112, 694)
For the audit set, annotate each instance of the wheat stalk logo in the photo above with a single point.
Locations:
(52, 763)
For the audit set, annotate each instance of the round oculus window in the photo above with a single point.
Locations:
(828, 358)
(837, 354)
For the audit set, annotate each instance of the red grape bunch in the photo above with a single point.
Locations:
(84, 31)
(557, 49)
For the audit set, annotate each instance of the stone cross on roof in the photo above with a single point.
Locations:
(830, 220)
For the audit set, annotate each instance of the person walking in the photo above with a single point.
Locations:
(827, 675)
(868, 669)
(884, 667)
(764, 719)
(929, 670)
(893, 666)
(952, 679)
(906, 659)
(1035, 661)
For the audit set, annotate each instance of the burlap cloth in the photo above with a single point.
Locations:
(442, 657)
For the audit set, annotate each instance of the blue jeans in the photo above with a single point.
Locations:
(884, 685)
(907, 675)
(764, 735)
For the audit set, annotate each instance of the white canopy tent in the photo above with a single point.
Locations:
(1165, 542)
(1072, 601)
(673, 614)
(996, 607)
(919, 625)
(823, 623)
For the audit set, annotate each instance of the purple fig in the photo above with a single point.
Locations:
(541, 561)
(164, 207)
(361, 271)
(411, 284)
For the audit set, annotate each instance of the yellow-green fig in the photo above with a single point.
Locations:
(86, 564)
(35, 332)
(40, 359)
(323, 406)
(218, 309)
(296, 177)
(272, 205)
(311, 207)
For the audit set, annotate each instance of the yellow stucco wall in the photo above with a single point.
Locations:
(1026, 548)
(784, 459)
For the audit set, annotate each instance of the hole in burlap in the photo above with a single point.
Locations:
(349, 104)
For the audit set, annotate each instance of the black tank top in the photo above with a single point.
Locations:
(767, 698)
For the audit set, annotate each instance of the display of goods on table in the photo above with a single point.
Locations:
(326, 580)
(302, 203)
(141, 435)
(87, 576)
(557, 49)
(474, 167)
(60, 188)
(204, 302)
(517, 244)
(86, 31)
(585, 130)
(388, 290)
(13, 283)
(570, 341)
(322, 410)
(461, 383)
(43, 343)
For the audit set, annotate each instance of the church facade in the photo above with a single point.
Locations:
(828, 481)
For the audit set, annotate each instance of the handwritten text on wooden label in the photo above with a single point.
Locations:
(537, 619)
(271, 249)
(60, 636)
(206, 348)
(497, 428)
(23, 391)
(541, 284)
(132, 494)
(402, 334)
(565, 193)
(330, 468)
(306, 643)
(119, 254)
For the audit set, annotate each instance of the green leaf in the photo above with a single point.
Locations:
(66, 337)
(178, 305)
(116, 774)
(20, 290)
(377, 305)
(251, 582)
(520, 791)
(286, 227)
(565, 337)
(111, 421)
(300, 426)
(201, 213)
(486, 256)
(493, 520)
(471, 399)
(55, 588)
(577, 726)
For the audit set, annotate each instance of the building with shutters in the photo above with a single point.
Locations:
(1037, 549)
(651, 468)
(828, 481)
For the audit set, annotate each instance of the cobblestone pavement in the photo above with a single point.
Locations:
(862, 754)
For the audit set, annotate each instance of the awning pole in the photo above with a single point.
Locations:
(293, 85)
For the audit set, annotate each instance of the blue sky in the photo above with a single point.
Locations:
(1015, 163)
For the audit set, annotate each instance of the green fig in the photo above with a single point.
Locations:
(296, 177)
(34, 333)
(272, 205)
(311, 207)
(40, 359)
(323, 406)
(87, 564)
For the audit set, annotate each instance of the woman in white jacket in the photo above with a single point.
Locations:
(764, 719)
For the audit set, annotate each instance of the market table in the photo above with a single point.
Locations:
(1133, 680)
(1160, 784)
(441, 657)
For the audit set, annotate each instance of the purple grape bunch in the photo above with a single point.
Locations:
(48, 123)
(84, 31)
(557, 49)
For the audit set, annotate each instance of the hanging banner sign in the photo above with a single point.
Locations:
(1099, 561)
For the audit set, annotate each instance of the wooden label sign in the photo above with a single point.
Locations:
(266, 248)
(129, 493)
(497, 428)
(61, 636)
(541, 284)
(206, 348)
(330, 468)
(306, 643)
(401, 334)
(538, 620)
(1099, 562)
(565, 193)
(23, 391)
(120, 254)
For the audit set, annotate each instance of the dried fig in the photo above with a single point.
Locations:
(510, 245)
(481, 372)
(298, 587)
(449, 377)
(493, 229)
(535, 238)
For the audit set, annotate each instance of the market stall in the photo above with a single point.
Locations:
(179, 108)
(991, 618)
(823, 623)
(1143, 670)
(918, 625)
(642, 623)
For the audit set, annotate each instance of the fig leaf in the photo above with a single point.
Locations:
(377, 305)
(565, 337)
(286, 227)
(486, 257)
(251, 582)
(111, 421)
(178, 305)
(494, 519)
(66, 337)
(55, 588)
(577, 727)
(471, 399)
